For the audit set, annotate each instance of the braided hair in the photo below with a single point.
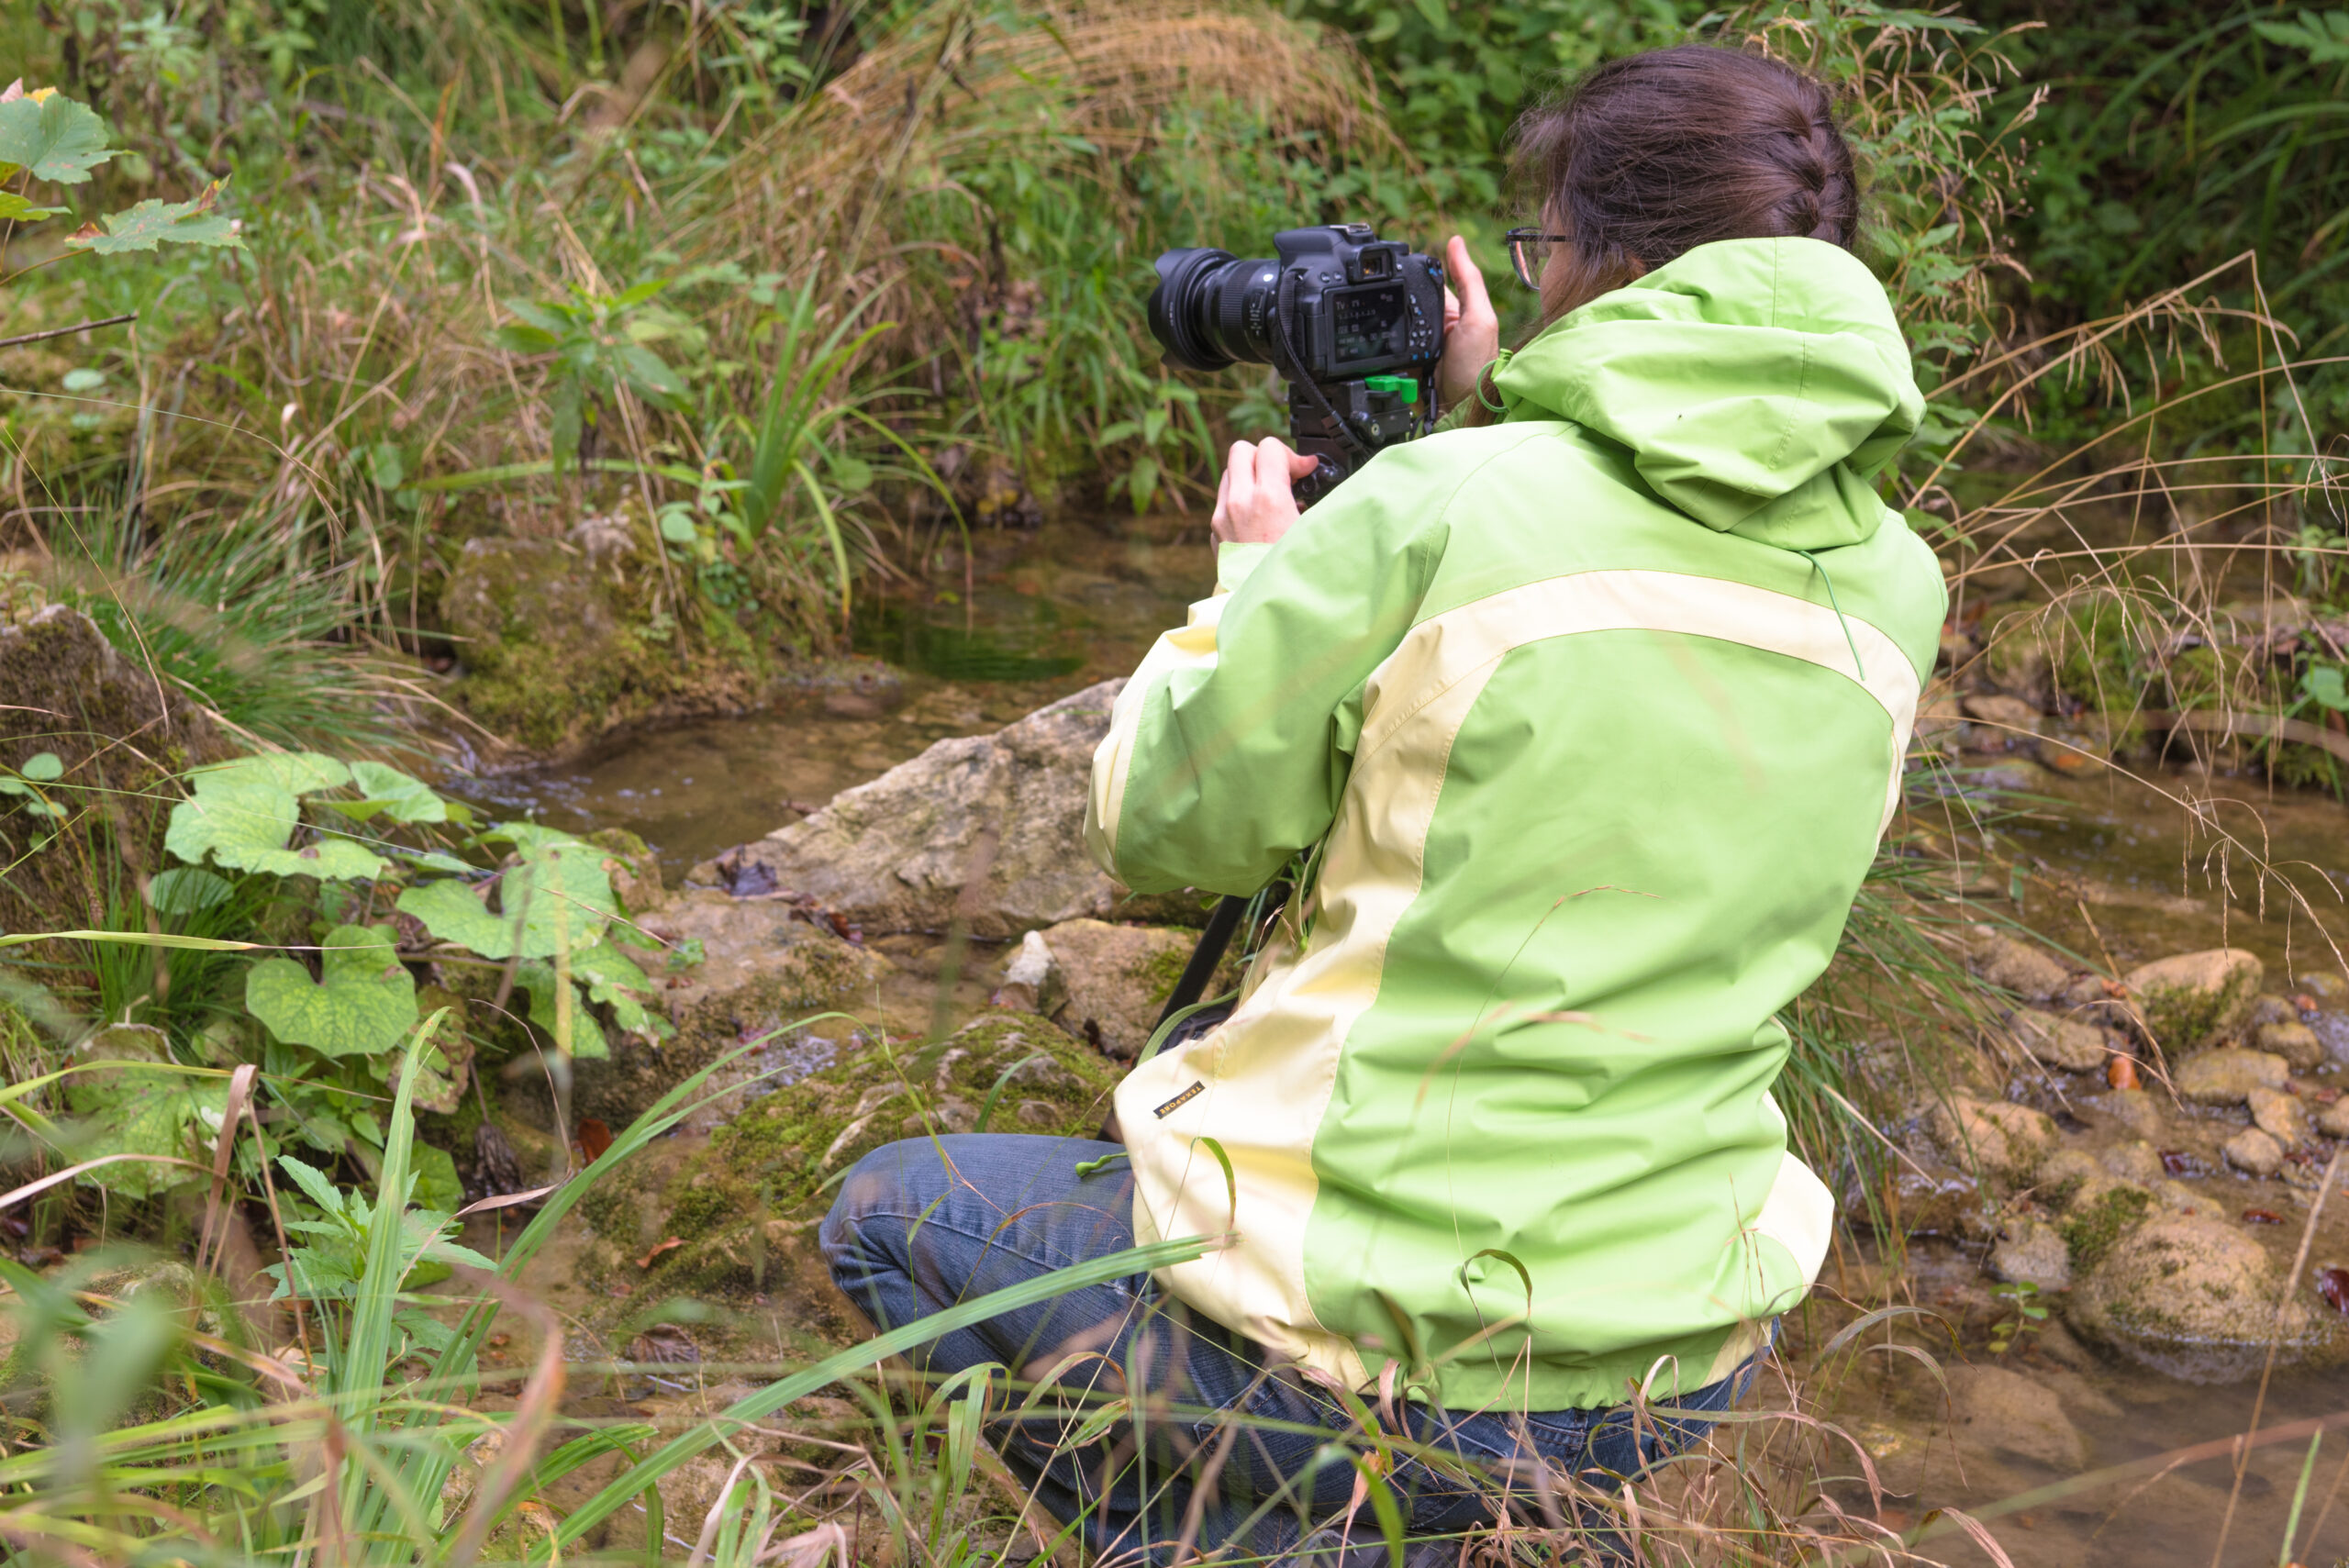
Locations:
(1652, 155)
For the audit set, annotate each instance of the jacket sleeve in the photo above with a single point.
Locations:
(1229, 748)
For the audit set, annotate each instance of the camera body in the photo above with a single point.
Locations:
(1354, 323)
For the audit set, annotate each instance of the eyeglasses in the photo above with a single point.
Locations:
(1525, 258)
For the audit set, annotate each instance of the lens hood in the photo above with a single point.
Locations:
(1182, 307)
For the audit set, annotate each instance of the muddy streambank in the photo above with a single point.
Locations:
(2156, 1226)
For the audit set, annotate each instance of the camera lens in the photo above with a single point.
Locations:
(1211, 307)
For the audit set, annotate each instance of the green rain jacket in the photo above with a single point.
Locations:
(1598, 715)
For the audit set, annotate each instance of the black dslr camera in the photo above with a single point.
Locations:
(1354, 323)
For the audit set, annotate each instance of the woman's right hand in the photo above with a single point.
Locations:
(1472, 328)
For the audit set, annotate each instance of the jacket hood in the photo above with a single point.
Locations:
(1760, 386)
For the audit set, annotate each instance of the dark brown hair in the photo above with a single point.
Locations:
(1652, 155)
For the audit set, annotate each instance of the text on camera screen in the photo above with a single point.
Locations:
(1368, 323)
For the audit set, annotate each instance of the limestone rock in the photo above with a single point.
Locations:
(2333, 1119)
(2280, 1115)
(2188, 1199)
(2293, 1040)
(2006, 1411)
(2195, 1299)
(2006, 714)
(745, 1206)
(2228, 1077)
(766, 968)
(2004, 1139)
(1119, 978)
(2056, 1041)
(2135, 1109)
(2032, 1252)
(2196, 998)
(2255, 1152)
(2016, 966)
(1032, 982)
(2135, 1161)
(550, 654)
(990, 828)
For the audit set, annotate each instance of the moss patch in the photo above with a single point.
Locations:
(769, 1174)
(2091, 1233)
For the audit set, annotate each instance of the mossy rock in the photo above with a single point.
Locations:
(2196, 999)
(768, 979)
(746, 1207)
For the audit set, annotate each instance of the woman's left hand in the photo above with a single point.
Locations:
(1256, 503)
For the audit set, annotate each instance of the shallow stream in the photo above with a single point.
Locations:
(2121, 873)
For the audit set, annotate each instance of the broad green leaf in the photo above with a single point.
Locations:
(610, 975)
(243, 815)
(14, 208)
(539, 980)
(184, 890)
(144, 1107)
(151, 223)
(398, 797)
(363, 1004)
(440, 1082)
(438, 1189)
(524, 339)
(56, 137)
(558, 895)
(43, 767)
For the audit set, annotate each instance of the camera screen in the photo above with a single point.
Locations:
(1370, 323)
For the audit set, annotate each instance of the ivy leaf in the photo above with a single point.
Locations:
(151, 222)
(363, 1004)
(558, 895)
(54, 136)
(395, 795)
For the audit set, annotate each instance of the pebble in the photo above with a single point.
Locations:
(2280, 1115)
(2255, 1151)
(2017, 966)
(2059, 1042)
(2032, 1252)
(2228, 1077)
(2293, 1040)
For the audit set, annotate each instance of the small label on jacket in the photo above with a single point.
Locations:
(1179, 1101)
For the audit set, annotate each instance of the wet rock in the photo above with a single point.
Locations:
(2010, 775)
(2009, 1412)
(2196, 1299)
(1032, 982)
(766, 969)
(2254, 1151)
(2055, 1042)
(2016, 966)
(2197, 998)
(2293, 1040)
(1119, 978)
(2032, 1251)
(2003, 1140)
(2333, 1119)
(2135, 1161)
(2228, 1077)
(2098, 1215)
(985, 827)
(2135, 1109)
(2006, 714)
(2184, 1199)
(2280, 1115)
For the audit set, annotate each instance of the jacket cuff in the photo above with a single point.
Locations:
(1234, 563)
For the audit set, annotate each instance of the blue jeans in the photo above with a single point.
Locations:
(1217, 1446)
